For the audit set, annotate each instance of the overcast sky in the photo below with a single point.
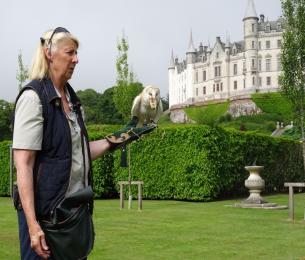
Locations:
(153, 28)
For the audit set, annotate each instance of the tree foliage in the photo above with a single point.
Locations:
(293, 57)
(99, 108)
(6, 111)
(22, 72)
(126, 89)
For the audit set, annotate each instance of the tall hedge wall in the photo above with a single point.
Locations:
(4, 168)
(201, 163)
(195, 163)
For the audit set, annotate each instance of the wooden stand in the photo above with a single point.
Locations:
(292, 185)
(139, 183)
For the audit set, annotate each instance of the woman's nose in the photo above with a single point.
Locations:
(75, 59)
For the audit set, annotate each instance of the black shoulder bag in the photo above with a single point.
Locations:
(70, 233)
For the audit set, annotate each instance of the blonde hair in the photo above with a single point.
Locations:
(40, 66)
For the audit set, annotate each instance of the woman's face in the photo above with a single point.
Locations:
(64, 59)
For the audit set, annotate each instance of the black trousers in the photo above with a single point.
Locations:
(26, 252)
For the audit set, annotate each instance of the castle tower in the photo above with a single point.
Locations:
(227, 51)
(251, 46)
(171, 80)
(191, 52)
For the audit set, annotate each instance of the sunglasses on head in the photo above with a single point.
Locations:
(57, 30)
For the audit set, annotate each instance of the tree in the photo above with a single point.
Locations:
(89, 99)
(293, 60)
(126, 89)
(110, 115)
(165, 102)
(293, 57)
(6, 110)
(22, 73)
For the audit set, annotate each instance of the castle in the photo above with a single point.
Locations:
(229, 70)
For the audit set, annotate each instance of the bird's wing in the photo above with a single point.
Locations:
(159, 111)
(136, 106)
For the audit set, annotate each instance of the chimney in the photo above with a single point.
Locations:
(262, 18)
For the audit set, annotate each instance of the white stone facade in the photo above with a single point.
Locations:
(229, 70)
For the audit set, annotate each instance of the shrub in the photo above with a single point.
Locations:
(201, 163)
(4, 168)
(190, 162)
(209, 114)
(274, 103)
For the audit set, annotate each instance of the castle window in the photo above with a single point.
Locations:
(217, 88)
(253, 63)
(253, 81)
(235, 69)
(253, 27)
(235, 84)
(204, 75)
(217, 71)
(259, 65)
(279, 64)
(213, 87)
(268, 81)
(221, 86)
(259, 45)
(267, 44)
(259, 81)
(253, 44)
(217, 55)
(204, 90)
(279, 43)
(268, 64)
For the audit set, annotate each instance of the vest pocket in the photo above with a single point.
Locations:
(52, 181)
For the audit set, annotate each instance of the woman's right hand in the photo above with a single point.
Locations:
(38, 241)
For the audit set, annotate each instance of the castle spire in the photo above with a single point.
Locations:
(172, 62)
(191, 44)
(227, 40)
(250, 11)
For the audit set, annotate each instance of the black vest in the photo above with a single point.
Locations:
(53, 163)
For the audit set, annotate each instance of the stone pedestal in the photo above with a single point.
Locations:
(256, 185)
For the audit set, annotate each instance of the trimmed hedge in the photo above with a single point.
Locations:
(196, 163)
(200, 163)
(5, 168)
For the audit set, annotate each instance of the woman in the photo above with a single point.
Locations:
(51, 149)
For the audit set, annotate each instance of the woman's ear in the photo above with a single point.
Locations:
(47, 52)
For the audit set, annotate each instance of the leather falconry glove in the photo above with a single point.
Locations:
(126, 135)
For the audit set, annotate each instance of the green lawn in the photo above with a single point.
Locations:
(183, 230)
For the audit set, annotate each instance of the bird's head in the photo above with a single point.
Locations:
(152, 96)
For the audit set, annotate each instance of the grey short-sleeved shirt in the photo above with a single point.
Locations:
(28, 133)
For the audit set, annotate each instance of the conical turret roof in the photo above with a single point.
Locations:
(250, 11)
(172, 62)
(191, 47)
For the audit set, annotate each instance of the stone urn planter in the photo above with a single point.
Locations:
(255, 184)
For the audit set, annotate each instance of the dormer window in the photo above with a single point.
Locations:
(279, 26)
(268, 27)
(217, 55)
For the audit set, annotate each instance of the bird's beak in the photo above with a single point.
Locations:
(153, 103)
